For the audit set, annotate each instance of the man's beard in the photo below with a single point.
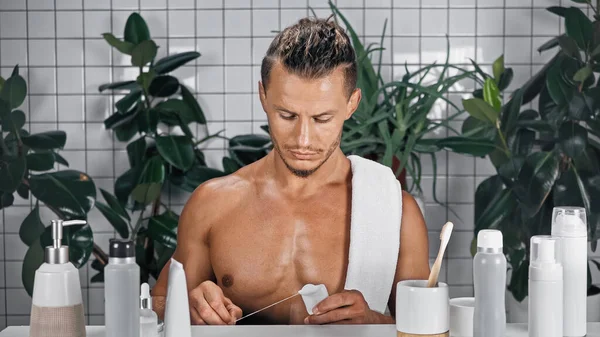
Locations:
(306, 173)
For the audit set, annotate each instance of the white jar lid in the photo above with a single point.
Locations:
(489, 238)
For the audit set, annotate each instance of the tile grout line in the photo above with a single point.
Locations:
(85, 142)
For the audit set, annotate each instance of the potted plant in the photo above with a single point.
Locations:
(392, 124)
(154, 116)
(28, 164)
(546, 156)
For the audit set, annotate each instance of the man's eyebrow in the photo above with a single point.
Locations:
(328, 112)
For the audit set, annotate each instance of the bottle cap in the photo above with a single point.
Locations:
(569, 222)
(544, 249)
(489, 238)
(145, 298)
(121, 248)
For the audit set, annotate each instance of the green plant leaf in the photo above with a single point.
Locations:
(468, 145)
(509, 171)
(573, 139)
(588, 161)
(498, 209)
(71, 192)
(521, 142)
(172, 107)
(569, 47)
(518, 284)
(581, 106)
(114, 204)
(230, 165)
(536, 83)
(34, 257)
(6, 199)
(163, 86)
(147, 120)
(136, 30)
(473, 127)
(2, 81)
(560, 91)
(136, 151)
(491, 94)
(14, 91)
(125, 104)
(582, 74)
(23, 191)
(114, 219)
(172, 62)
(511, 111)
(558, 10)
(150, 182)
(59, 159)
(126, 182)
(485, 192)
(122, 46)
(126, 131)
(118, 119)
(40, 161)
(125, 85)
(550, 44)
(32, 227)
(47, 140)
(143, 53)
(163, 229)
(200, 174)
(11, 173)
(498, 67)
(80, 240)
(481, 110)
(11, 122)
(579, 27)
(506, 79)
(535, 181)
(195, 111)
(566, 191)
(176, 150)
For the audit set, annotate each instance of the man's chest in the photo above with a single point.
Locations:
(268, 252)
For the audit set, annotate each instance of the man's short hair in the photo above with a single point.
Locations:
(312, 48)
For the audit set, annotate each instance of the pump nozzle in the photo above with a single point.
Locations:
(57, 254)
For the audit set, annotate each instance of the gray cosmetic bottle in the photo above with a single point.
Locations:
(489, 281)
(122, 291)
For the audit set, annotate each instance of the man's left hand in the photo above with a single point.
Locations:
(347, 307)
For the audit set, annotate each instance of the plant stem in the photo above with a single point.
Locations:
(506, 150)
(100, 255)
(138, 224)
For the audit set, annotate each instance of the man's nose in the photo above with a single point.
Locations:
(303, 132)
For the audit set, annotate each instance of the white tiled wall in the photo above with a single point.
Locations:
(58, 45)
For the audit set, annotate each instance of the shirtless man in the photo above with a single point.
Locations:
(258, 235)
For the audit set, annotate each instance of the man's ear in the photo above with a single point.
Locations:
(353, 102)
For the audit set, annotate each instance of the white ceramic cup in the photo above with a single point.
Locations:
(461, 316)
(421, 310)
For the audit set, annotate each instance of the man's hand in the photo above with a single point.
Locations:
(347, 307)
(208, 305)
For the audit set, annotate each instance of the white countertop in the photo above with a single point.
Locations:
(513, 330)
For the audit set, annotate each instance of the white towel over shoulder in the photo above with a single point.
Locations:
(374, 231)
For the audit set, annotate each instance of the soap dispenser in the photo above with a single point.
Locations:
(57, 306)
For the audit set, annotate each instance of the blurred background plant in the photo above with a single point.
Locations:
(544, 157)
(28, 164)
(394, 123)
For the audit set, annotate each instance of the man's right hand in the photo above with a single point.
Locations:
(208, 305)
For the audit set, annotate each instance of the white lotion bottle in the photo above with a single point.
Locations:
(122, 291)
(569, 224)
(545, 288)
(148, 318)
(57, 305)
(489, 285)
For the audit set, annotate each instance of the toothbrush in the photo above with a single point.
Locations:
(444, 238)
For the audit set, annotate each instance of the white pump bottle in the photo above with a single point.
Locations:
(57, 306)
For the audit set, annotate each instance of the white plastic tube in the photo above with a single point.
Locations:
(177, 309)
(313, 295)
